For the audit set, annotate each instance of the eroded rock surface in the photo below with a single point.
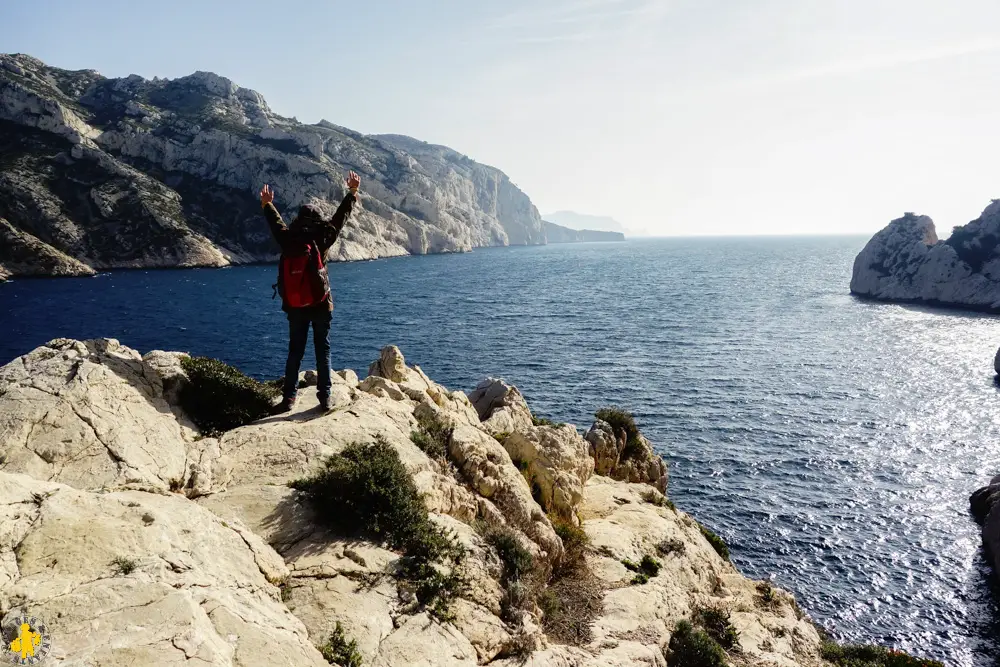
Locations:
(638, 464)
(906, 262)
(123, 173)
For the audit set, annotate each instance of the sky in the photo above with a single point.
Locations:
(675, 117)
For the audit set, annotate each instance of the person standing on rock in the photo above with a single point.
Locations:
(305, 287)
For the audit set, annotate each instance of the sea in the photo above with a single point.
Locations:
(832, 442)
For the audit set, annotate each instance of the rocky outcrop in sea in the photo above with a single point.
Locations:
(100, 173)
(140, 539)
(906, 262)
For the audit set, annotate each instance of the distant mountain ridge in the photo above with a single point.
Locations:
(580, 221)
(99, 173)
(558, 234)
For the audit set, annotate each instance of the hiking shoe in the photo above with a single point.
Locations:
(325, 404)
(286, 405)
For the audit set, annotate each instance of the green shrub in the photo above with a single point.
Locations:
(650, 565)
(639, 579)
(219, 398)
(542, 421)
(574, 541)
(718, 624)
(767, 595)
(717, 542)
(339, 651)
(433, 436)
(517, 560)
(124, 566)
(500, 437)
(871, 656)
(365, 490)
(427, 444)
(693, 648)
(620, 419)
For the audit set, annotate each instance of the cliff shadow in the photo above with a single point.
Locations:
(294, 533)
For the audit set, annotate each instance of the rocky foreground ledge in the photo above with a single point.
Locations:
(906, 262)
(492, 536)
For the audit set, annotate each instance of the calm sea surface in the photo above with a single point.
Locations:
(833, 443)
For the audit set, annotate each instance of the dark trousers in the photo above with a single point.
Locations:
(298, 332)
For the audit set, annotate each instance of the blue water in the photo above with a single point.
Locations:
(832, 442)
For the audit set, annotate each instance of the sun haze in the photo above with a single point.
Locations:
(673, 117)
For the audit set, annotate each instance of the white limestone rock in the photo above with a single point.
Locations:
(906, 262)
(90, 414)
(201, 589)
(555, 460)
(224, 142)
(500, 406)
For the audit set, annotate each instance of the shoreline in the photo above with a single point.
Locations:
(274, 262)
(930, 304)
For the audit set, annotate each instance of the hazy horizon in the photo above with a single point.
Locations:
(788, 118)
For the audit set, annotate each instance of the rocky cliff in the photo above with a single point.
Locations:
(985, 506)
(141, 541)
(558, 234)
(99, 173)
(906, 262)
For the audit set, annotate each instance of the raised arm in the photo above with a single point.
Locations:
(278, 227)
(332, 231)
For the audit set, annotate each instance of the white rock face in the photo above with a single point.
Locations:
(557, 462)
(906, 262)
(236, 570)
(90, 415)
(612, 459)
(178, 165)
(500, 406)
(201, 589)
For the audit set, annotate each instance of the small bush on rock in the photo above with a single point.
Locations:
(365, 490)
(220, 398)
(717, 542)
(718, 624)
(433, 437)
(339, 651)
(124, 566)
(542, 421)
(620, 419)
(768, 597)
(693, 648)
(871, 656)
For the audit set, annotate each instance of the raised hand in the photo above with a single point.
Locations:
(353, 181)
(266, 195)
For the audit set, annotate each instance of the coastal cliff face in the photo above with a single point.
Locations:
(906, 262)
(985, 506)
(99, 173)
(558, 234)
(141, 541)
